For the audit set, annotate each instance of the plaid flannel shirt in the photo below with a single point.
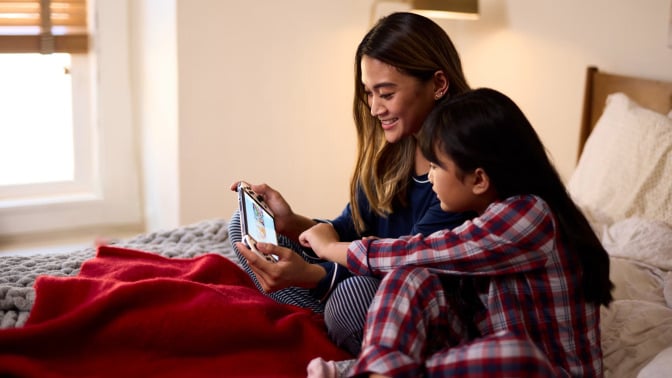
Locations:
(533, 283)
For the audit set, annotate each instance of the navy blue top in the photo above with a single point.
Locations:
(423, 215)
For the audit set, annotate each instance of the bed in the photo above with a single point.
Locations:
(162, 304)
(623, 183)
(174, 303)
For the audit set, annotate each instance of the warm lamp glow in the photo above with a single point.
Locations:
(446, 15)
(446, 9)
(453, 9)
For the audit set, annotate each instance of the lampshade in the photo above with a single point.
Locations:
(456, 9)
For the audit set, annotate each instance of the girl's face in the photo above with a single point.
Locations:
(401, 102)
(455, 194)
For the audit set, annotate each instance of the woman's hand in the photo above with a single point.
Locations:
(273, 199)
(289, 270)
(286, 221)
(323, 240)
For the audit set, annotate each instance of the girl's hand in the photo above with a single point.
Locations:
(289, 270)
(323, 240)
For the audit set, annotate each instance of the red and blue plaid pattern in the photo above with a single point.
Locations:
(533, 317)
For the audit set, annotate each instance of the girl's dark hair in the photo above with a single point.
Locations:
(484, 128)
(418, 47)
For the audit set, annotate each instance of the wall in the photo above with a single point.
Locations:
(537, 52)
(269, 89)
(154, 46)
(261, 90)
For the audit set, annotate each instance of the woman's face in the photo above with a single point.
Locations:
(401, 102)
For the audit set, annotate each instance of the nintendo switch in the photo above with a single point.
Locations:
(256, 220)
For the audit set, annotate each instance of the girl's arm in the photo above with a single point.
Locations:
(324, 241)
(512, 236)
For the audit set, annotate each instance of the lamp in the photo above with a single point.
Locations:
(447, 9)
(455, 9)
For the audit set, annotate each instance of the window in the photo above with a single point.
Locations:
(45, 136)
(42, 141)
(44, 26)
(67, 150)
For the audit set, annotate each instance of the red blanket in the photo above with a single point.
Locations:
(135, 314)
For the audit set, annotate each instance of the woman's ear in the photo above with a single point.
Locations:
(440, 84)
(481, 182)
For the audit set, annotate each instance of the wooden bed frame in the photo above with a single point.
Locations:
(653, 94)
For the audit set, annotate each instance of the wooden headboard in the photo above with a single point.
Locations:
(652, 94)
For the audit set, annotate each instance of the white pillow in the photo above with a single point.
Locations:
(639, 239)
(625, 169)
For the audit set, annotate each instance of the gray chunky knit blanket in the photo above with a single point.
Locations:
(18, 273)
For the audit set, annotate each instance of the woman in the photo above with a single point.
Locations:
(404, 66)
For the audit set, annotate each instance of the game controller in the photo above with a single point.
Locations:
(256, 221)
(252, 245)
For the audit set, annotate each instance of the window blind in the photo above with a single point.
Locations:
(43, 26)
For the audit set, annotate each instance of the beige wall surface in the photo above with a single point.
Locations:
(537, 51)
(261, 90)
(154, 74)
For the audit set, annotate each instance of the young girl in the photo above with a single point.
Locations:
(404, 66)
(533, 273)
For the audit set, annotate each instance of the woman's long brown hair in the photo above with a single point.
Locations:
(418, 47)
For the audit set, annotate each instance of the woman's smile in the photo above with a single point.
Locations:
(388, 124)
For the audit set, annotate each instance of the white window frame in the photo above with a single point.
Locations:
(106, 189)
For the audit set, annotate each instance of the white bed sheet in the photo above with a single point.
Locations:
(637, 326)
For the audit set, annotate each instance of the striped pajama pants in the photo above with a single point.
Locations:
(345, 309)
